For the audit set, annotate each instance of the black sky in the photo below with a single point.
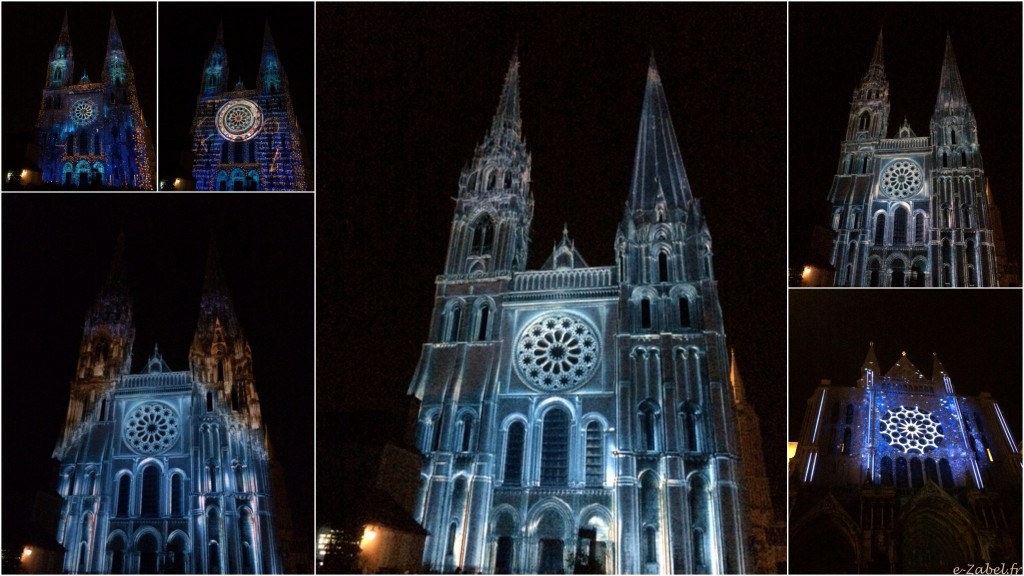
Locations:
(187, 33)
(830, 46)
(976, 334)
(405, 93)
(57, 250)
(30, 29)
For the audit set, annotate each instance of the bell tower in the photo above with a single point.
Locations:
(61, 63)
(491, 228)
(869, 106)
(105, 352)
(215, 71)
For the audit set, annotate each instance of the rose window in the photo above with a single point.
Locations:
(901, 179)
(151, 428)
(83, 112)
(557, 352)
(910, 430)
(239, 119)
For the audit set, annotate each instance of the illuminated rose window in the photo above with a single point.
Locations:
(901, 179)
(151, 428)
(911, 430)
(239, 119)
(557, 352)
(83, 112)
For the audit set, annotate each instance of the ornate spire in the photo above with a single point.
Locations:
(115, 66)
(113, 36)
(870, 361)
(876, 69)
(113, 306)
(271, 76)
(215, 303)
(61, 64)
(658, 166)
(215, 72)
(64, 37)
(506, 119)
(951, 98)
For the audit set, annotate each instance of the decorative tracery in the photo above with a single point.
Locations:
(557, 352)
(911, 430)
(151, 428)
(83, 112)
(239, 120)
(901, 179)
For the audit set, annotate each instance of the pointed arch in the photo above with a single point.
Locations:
(554, 449)
(515, 444)
(482, 233)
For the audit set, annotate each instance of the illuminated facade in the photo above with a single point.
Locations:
(92, 134)
(901, 474)
(165, 471)
(581, 418)
(911, 210)
(247, 138)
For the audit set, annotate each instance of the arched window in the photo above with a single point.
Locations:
(115, 554)
(648, 428)
(901, 473)
(467, 432)
(150, 492)
(174, 562)
(899, 226)
(645, 313)
(886, 472)
(83, 143)
(699, 520)
(124, 493)
(919, 228)
(874, 269)
(483, 236)
(454, 316)
(952, 136)
(245, 535)
(863, 121)
(899, 274)
(483, 318)
(663, 267)
(209, 401)
(879, 229)
(224, 145)
(435, 432)
(177, 495)
(684, 312)
(554, 456)
(594, 454)
(147, 554)
(971, 261)
(514, 443)
(239, 471)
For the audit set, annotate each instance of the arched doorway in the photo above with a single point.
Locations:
(550, 535)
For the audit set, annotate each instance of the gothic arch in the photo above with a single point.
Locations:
(827, 526)
(466, 429)
(513, 449)
(935, 533)
(484, 318)
(649, 422)
(452, 320)
(177, 553)
(116, 551)
(550, 529)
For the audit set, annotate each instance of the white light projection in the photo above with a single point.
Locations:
(910, 430)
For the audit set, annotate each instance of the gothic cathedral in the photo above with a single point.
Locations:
(247, 138)
(911, 210)
(582, 418)
(92, 135)
(165, 471)
(900, 474)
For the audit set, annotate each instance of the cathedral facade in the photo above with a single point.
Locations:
(584, 418)
(900, 474)
(247, 138)
(909, 210)
(92, 134)
(165, 471)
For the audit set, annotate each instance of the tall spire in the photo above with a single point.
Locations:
(271, 76)
(113, 306)
(876, 69)
(658, 167)
(113, 36)
(215, 304)
(870, 361)
(507, 117)
(61, 64)
(951, 98)
(215, 72)
(115, 66)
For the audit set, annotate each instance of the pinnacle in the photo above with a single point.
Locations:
(951, 98)
(507, 116)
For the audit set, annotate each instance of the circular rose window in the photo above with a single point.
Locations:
(901, 179)
(239, 119)
(557, 352)
(910, 430)
(151, 428)
(83, 112)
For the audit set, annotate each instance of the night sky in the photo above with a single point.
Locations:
(30, 29)
(420, 85)
(187, 33)
(57, 251)
(976, 333)
(830, 47)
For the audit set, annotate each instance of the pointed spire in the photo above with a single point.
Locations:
(271, 76)
(65, 36)
(951, 98)
(658, 166)
(113, 36)
(507, 117)
(739, 392)
(219, 41)
(113, 305)
(215, 303)
(876, 69)
(870, 361)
